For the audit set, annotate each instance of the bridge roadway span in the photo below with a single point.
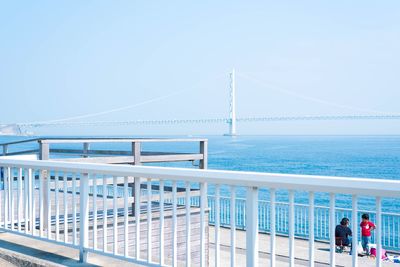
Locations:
(217, 120)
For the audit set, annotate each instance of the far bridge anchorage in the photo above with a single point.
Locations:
(231, 120)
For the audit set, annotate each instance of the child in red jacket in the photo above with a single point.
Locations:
(366, 227)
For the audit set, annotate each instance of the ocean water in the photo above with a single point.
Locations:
(349, 156)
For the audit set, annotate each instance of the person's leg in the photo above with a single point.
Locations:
(364, 242)
(367, 241)
(350, 244)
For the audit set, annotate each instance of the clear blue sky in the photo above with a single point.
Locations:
(66, 58)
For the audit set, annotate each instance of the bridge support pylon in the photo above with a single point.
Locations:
(232, 106)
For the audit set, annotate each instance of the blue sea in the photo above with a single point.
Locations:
(349, 156)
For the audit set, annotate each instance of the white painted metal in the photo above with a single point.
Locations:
(188, 232)
(33, 206)
(233, 226)
(149, 221)
(273, 227)
(355, 226)
(311, 248)
(291, 228)
(332, 225)
(331, 185)
(378, 240)
(74, 196)
(48, 202)
(9, 189)
(137, 216)
(105, 209)
(57, 205)
(126, 232)
(84, 217)
(161, 233)
(343, 185)
(115, 216)
(6, 183)
(11, 175)
(65, 189)
(217, 226)
(19, 210)
(94, 200)
(252, 226)
(28, 187)
(203, 207)
(3, 201)
(174, 225)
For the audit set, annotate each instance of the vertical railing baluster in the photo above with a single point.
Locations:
(378, 240)
(233, 226)
(57, 205)
(217, 225)
(2, 179)
(332, 226)
(41, 204)
(74, 196)
(105, 230)
(203, 207)
(12, 203)
(311, 230)
(48, 202)
(162, 222)
(6, 197)
(19, 209)
(94, 199)
(149, 221)
(115, 215)
(188, 224)
(33, 204)
(137, 216)
(273, 227)
(354, 230)
(291, 228)
(84, 217)
(174, 224)
(65, 207)
(126, 222)
(26, 202)
(252, 226)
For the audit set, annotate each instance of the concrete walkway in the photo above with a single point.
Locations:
(322, 252)
(18, 250)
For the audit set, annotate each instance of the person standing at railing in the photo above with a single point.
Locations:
(366, 227)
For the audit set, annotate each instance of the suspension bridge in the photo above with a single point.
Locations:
(230, 120)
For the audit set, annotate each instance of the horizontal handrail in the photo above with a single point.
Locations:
(118, 140)
(19, 142)
(307, 205)
(344, 185)
(54, 140)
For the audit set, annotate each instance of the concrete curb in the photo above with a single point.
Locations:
(19, 259)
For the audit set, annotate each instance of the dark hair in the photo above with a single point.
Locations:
(365, 216)
(344, 221)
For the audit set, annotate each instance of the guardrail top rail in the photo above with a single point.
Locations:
(44, 151)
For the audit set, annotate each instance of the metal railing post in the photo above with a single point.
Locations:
(204, 151)
(44, 154)
(86, 147)
(84, 216)
(136, 152)
(252, 226)
(5, 150)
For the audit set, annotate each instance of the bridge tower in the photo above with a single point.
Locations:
(232, 106)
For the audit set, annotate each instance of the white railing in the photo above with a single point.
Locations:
(390, 221)
(63, 203)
